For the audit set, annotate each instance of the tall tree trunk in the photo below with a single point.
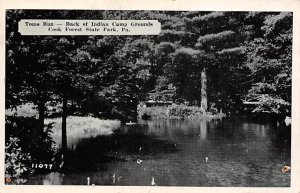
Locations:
(41, 109)
(64, 124)
(204, 90)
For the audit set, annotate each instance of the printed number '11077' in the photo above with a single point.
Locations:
(42, 166)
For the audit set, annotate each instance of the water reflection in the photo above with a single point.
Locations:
(203, 129)
(53, 178)
(182, 153)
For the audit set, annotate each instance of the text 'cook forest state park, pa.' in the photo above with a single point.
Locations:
(205, 102)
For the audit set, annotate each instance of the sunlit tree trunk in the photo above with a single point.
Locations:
(64, 123)
(204, 89)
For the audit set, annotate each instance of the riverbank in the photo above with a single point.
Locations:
(81, 127)
(177, 112)
(22, 142)
(76, 125)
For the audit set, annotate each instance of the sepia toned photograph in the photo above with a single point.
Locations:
(203, 101)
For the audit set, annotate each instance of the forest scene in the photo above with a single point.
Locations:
(206, 102)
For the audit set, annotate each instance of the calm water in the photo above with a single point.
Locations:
(185, 153)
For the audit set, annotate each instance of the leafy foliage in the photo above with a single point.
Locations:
(270, 62)
(16, 161)
(40, 148)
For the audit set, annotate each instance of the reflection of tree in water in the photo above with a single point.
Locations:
(240, 131)
(172, 129)
(53, 178)
(280, 139)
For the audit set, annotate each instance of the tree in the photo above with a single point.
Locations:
(205, 46)
(26, 80)
(220, 36)
(270, 61)
(183, 73)
(128, 76)
(71, 71)
(42, 69)
(174, 59)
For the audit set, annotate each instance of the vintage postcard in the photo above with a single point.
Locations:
(136, 97)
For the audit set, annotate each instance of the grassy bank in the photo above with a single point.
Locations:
(81, 127)
(84, 126)
(176, 112)
(25, 118)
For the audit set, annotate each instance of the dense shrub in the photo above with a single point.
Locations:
(16, 161)
(147, 113)
(183, 111)
(21, 142)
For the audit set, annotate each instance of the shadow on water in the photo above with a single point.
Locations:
(126, 144)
